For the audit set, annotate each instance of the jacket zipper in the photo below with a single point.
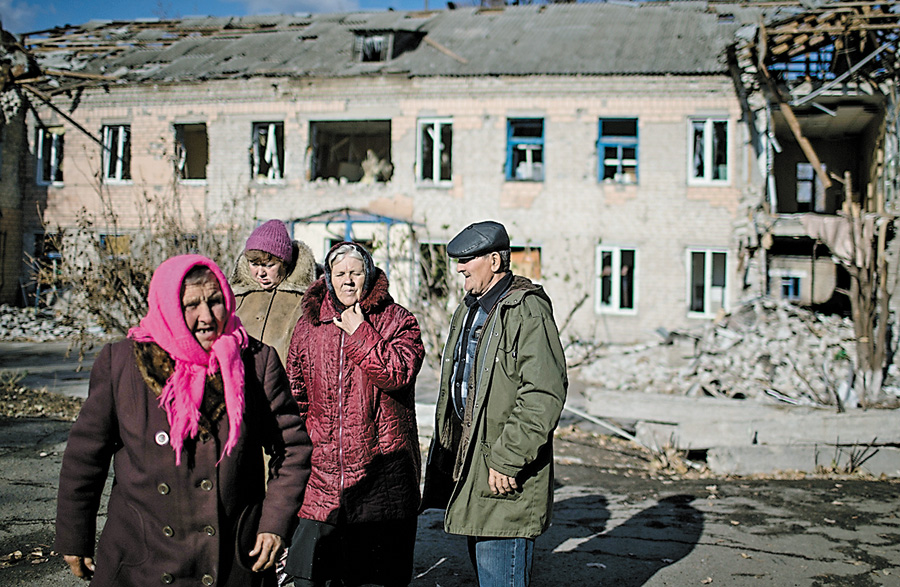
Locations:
(341, 414)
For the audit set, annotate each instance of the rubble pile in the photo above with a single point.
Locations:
(36, 325)
(767, 350)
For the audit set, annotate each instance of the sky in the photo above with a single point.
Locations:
(20, 16)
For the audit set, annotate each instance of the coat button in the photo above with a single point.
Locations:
(207, 580)
(167, 579)
(206, 485)
(210, 530)
(163, 489)
(162, 438)
(168, 531)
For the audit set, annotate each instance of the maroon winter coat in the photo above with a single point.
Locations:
(170, 524)
(358, 396)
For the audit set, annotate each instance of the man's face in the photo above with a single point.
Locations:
(204, 310)
(479, 273)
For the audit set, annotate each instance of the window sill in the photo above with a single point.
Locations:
(192, 181)
(714, 183)
(50, 184)
(613, 312)
(434, 185)
(111, 181)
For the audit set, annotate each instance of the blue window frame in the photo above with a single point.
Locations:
(525, 149)
(617, 148)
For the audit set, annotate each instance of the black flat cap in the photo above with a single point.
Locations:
(479, 239)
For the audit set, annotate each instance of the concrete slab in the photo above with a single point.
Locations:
(752, 460)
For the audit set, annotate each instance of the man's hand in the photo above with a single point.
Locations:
(350, 319)
(267, 548)
(501, 484)
(82, 566)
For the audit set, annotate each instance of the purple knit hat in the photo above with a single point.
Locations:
(272, 237)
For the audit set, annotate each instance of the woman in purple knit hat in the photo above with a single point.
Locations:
(269, 281)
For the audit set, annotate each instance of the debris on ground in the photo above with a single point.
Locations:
(36, 325)
(18, 401)
(767, 350)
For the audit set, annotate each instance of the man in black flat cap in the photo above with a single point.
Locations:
(503, 386)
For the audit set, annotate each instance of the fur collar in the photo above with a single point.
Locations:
(297, 281)
(376, 300)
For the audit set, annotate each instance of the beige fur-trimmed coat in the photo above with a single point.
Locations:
(270, 316)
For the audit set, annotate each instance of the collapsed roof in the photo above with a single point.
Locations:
(555, 39)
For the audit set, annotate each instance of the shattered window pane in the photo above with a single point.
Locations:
(50, 154)
(435, 150)
(191, 151)
(709, 150)
(351, 150)
(616, 279)
(267, 151)
(708, 281)
(117, 152)
(525, 149)
(372, 47)
(618, 148)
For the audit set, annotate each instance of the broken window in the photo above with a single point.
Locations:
(525, 149)
(267, 151)
(352, 150)
(810, 189)
(617, 147)
(191, 151)
(372, 47)
(708, 281)
(616, 279)
(117, 152)
(790, 288)
(50, 154)
(708, 150)
(435, 150)
(526, 261)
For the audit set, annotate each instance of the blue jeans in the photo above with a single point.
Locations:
(502, 562)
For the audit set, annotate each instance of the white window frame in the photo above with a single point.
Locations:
(57, 146)
(116, 141)
(275, 173)
(708, 252)
(615, 305)
(436, 127)
(708, 153)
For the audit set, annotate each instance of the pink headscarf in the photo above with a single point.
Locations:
(164, 324)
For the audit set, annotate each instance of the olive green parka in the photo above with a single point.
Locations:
(520, 383)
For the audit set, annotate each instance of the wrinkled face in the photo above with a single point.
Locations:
(348, 276)
(204, 309)
(268, 274)
(479, 272)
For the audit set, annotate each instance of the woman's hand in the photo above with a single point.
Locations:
(350, 319)
(268, 546)
(82, 566)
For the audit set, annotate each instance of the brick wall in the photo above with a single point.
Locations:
(566, 215)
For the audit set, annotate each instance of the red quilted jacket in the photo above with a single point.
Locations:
(357, 394)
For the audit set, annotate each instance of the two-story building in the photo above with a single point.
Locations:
(617, 142)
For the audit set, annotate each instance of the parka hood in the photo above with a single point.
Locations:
(297, 281)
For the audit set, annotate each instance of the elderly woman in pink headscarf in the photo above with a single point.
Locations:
(186, 404)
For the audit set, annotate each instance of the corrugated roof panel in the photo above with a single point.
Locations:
(555, 39)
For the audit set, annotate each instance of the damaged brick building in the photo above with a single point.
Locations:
(653, 162)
